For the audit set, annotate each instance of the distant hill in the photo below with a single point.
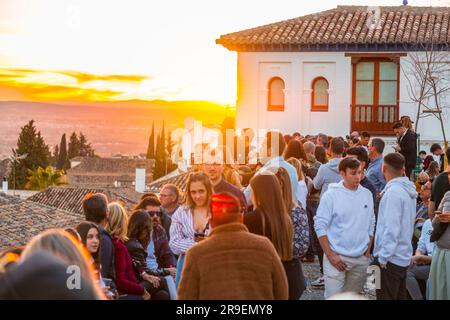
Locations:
(112, 127)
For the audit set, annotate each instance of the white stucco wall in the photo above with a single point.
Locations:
(298, 69)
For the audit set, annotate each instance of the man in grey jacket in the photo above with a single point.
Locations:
(329, 172)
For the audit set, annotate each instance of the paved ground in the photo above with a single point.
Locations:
(312, 272)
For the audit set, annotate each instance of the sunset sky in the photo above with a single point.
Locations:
(106, 50)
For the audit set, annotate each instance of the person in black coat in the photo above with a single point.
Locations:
(406, 146)
(139, 235)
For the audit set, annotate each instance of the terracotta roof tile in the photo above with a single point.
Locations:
(22, 219)
(70, 198)
(178, 180)
(344, 25)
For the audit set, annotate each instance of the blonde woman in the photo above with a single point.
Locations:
(190, 223)
(302, 190)
(65, 247)
(126, 281)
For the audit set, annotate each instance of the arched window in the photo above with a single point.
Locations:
(319, 96)
(276, 95)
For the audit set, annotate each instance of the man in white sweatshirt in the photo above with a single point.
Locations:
(395, 226)
(345, 223)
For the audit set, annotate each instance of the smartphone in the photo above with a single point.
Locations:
(107, 282)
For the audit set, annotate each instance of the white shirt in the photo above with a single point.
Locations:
(302, 192)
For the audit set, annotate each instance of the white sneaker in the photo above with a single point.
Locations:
(319, 282)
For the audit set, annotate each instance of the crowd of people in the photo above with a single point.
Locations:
(245, 231)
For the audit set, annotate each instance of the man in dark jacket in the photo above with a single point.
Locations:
(95, 207)
(407, 146)
(214, 168)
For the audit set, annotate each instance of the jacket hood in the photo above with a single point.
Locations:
(405, 184)
(333, 164)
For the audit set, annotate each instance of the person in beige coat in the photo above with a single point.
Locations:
(231, 263)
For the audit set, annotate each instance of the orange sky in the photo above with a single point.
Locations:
(109, 50)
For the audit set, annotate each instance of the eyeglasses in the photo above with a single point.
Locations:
(154, 213)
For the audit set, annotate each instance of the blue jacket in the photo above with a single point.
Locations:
(274, 163)
(106, 254)
(328, 173)
(395, 226)
(375, 175)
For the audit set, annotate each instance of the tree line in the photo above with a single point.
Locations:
(40, 168)
(161, 151)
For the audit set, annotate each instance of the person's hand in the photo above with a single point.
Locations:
(415, 260)
(397, 148)
(337, 262)
(444, 217)
(199, 238)
(172, 271)
(382, 266)
(155, 281)
(146, 295)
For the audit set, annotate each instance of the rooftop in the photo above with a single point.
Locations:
(349, 27)
(23, 219)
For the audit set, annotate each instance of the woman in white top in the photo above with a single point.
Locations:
(302, 190)
(190, 222)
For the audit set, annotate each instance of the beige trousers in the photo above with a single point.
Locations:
(351, 280)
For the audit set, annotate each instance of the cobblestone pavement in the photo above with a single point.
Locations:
(312, 272)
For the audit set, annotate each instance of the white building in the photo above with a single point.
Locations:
(336, 71)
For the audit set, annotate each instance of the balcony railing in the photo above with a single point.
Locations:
(374, 119)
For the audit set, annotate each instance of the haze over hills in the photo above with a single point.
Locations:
(112, 127)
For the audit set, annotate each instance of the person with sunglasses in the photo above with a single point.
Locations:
(149, 203)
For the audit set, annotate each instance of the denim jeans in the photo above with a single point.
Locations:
(180, 264)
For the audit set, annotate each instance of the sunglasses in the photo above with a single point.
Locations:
(154, 213)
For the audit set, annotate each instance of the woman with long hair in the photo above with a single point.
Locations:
(321, 154)
(139, 237)
(300, 242)
(271, 218)
(88, 234)
(126, 281)
(190, 222)
(433, 170)
(295, 149)
(64, 246)
(302, 190)
(90, 237)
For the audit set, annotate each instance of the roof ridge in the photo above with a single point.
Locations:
(344, 25)
(33, 203)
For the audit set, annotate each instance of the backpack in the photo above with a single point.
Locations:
(301, 231)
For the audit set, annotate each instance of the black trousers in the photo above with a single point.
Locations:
(408, 172)
(296, 279)
(393, 282)
(311, 208)
(160, 293)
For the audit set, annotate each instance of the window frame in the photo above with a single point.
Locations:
(319, 108)
(374, 126)
(271, 107)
